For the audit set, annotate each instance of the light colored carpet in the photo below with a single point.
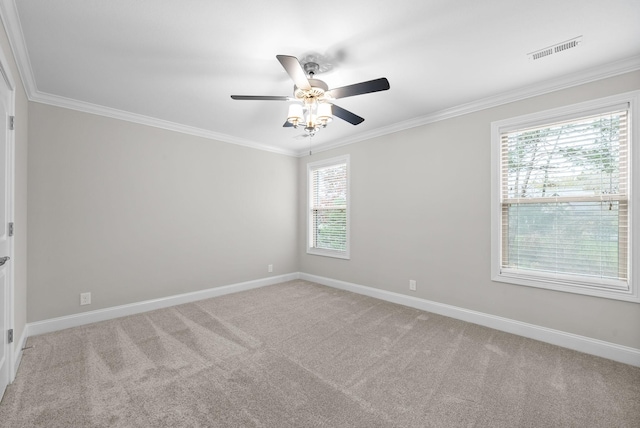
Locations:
(300, 354)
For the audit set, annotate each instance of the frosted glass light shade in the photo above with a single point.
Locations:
(295, 115)
(324, 113)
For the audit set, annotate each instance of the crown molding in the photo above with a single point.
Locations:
(5, 72)
(57, 101)
(10, 19)
(564, 82)
(11, 22)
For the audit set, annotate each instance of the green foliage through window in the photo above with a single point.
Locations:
(564, 197)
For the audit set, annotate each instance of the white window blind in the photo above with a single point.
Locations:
(328, 202)
(565, 200)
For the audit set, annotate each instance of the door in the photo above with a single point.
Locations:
(6, 213)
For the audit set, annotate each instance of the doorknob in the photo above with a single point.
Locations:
(3, 260)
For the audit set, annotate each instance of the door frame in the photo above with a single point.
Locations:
(13, 357)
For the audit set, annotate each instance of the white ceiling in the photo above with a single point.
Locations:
(174, 63)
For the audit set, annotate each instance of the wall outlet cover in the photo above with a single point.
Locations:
(85, 298)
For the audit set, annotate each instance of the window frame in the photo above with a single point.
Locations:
(312, 166)
(542, 118)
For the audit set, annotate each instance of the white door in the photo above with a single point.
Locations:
(6, 195)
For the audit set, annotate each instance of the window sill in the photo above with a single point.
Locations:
(329, 253)
(575, 288)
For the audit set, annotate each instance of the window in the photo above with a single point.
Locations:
(562, 209)
(328, 215)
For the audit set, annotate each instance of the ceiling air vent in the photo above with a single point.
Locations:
(560, 47)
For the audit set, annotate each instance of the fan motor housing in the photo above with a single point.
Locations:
(318, 88)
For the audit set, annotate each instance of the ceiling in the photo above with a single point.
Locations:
(175, 63)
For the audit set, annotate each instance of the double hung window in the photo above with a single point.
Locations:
(563, 211)
(328, 207)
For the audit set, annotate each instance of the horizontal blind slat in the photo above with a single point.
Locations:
(328, 207)
(564, 196)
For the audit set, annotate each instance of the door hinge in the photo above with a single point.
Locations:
(11, 229)
(12, 120)
(10, 336)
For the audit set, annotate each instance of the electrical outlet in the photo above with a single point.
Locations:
(270, 268)
(412, 284)
(85, 298)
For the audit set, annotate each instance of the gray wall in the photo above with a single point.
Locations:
(130, 212)
(20, 189)
(420, 209)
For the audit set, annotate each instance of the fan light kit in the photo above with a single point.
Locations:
(314, 107)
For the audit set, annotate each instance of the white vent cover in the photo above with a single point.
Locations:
(560, 47)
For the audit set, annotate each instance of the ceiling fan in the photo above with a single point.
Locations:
(313, 105)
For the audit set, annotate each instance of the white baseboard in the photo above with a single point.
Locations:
(584, 344)
(55, 324)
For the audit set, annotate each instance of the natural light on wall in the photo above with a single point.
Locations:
(563, 209)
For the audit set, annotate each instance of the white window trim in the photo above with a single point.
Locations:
(346, 254)
(554, 115)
